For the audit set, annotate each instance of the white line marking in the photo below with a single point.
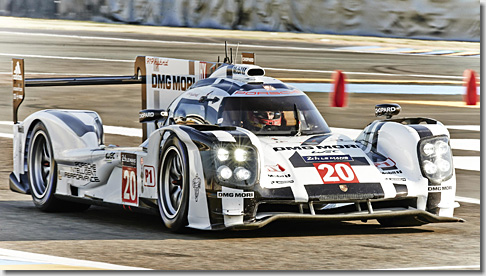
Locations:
(266, 68)
(69, 58)
(466, 127)
(207, 44)
(468, 200)
(366, 73)
(125, 131)
(470, 163)
(435, 267)
(20, 255)
(6, 135)
(466, 144)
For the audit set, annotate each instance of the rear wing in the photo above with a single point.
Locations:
(161, 79)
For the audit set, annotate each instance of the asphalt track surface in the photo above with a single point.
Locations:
(140, 240)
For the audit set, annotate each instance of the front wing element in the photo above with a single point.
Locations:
(398, 213)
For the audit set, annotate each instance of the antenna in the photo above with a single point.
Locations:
(226, 59)
(231, 55)
(236, 54)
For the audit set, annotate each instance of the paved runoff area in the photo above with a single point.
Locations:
(409, 72)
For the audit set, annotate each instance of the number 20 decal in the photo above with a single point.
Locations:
(336, 173)
(129, 185)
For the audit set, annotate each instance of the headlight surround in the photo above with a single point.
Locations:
(240, 160)
(435, 156)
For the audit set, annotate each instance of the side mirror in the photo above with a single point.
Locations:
(152, 115)
(387, 110)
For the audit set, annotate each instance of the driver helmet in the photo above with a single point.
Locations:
(266, 118)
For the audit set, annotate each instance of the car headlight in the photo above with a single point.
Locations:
(242, 174)
(436, 158)
(236, 164)
(223, 154)
(240, 155)
(224, 172)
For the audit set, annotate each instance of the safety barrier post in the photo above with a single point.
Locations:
(338, 96)
(471, 95)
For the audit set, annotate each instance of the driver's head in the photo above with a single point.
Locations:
(269, 118)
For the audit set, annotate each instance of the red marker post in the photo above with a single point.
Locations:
(338, 96)
(471, 96)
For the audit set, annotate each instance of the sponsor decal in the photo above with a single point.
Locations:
(396, 178)
(328, 147)
(171, 82)
(385, 109)
(327, 158)
(392, 172)
(196, 184)
(129, 178)
(148, 176)
(129, 159)
(236, 194)
(257, 93)
(239, 70)
(388, 163)
(82, 171)
(282, 182)
(157, 61)
(332, 173)
(279, 175)
(343, 187)
(17, 74)
(275, 168)
(110, 156)
(439, 188)
(325, 151)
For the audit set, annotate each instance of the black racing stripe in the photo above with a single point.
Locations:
(73, 122)
(433, 200)
(374, 143)
(284, 193)
(298, 162)
(330, 192)
(422, 131)
(315, 140)
(359, 161)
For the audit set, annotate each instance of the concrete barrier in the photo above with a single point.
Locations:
(424, 19)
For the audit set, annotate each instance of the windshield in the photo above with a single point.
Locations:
(273, 115)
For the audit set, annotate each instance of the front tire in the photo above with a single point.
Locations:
(42, 172)
(173, 185)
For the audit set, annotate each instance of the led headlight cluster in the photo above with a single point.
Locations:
(235, 165)
(435, 158)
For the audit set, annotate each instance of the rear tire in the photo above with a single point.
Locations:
(42, 172)
(173, 185)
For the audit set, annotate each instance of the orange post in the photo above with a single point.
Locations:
(471, 96)
(338, 96)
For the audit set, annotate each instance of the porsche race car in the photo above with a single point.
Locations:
(227, 147)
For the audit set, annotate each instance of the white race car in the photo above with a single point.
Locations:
(227, 147)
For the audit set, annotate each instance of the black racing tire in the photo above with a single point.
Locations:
(42, 173)
(173, 185)
(401, 222)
